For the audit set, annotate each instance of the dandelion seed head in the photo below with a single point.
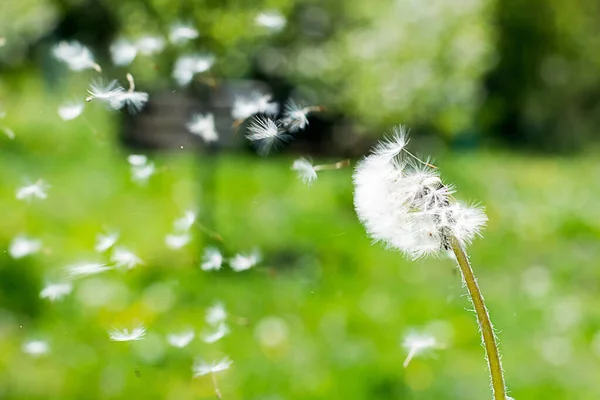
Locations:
(123, 52)
(22, 246)
(56, 291)
(36, 348)
(212, 259)
(306, 171)
(271, 20)
(36, 190)
(202, 368)
(125, 335)
(125, 258)
(243, 262)
(203, 125)
(181, 339)
(181, 33)
(70, 111)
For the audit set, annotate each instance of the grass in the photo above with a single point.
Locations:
(326, 310)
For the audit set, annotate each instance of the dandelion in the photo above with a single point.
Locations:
(216, 335)
(189, 65)
(402, 201)
(203, 126)
(267, 134)
(307, 172)
(243, 262)
(105, 91)
(148, 45)
(295, 117)
(85, 269)
(134, 101)
(36, 348)
(257, 103)
(181, 339)
(271, 20)
(177, 241)
(216, 314)
(181, 33)
(184, 223)
(56, 291)
(418, 344)
(22, 246)
(70, 111)
(105, 241)
(76, 56)
(36, 190)
(123, 52)
(212, 259)
(124, 258)
(125, 335)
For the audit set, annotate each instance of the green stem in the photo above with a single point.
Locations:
(483, 318)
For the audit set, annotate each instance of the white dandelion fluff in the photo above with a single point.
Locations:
(105, 241)
(123, 52)
(36, 348)
(77, 56)
(181, 339)
(70, 111)
(105, 91)
(8, 132)
(189, 65)
(125, 335)
(175, 242)
(85, 269)
(257, 103)
(418, 344)
(215, 335)
(305, 169)
(216, 314)
(266, 133)
(203, 125)
(137, 160)
(22, 246)
(212, 259)
(125, 258)
(181, 33)
(148, 45)
(142, 173)
(202, 367)
(295, 116)
(56, 291)
(271, 20)
(243, 262)
(184, 223)
(36, 190)
(134, 101)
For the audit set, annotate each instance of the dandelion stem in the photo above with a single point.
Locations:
(216, 386)
(483, 318)
(337, 165)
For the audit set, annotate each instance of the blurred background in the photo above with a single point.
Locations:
(503, 93)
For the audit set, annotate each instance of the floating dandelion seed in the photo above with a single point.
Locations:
(203, 126)
(271, 20)
(187, 66)
(308, 172)
(418, 344)
(22, 246)
(36, 348)
(181, 339)
(105, 241)
(141, 173)
(8, 132)
(56, 291)
(177, 241)
(70, 111)
(123, 52)
(202, 368)
(148, 45)
(216, 314)
(184, 223)
(212, 259)
(243, 262)
(137, 160)
(85, 269)
(76, 56)
(134, 101)
(213, 336)
(267, 134)
(36, 190)
(125, 258)
(257, 103)
(105, 91)
(295, 117)
(125, 335)
(181, 33)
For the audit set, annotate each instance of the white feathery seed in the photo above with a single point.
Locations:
(271, 20)
(70, 111)
(77, 56)
(181, 339)
(36, 190)
(105, 91)
(137, 160)
(125, 258)
(295, 117)
(202, 368)
(418, 344)
(216, 334)
(105, 241)
(36, 348)
(243, 262)
(8, 132)
(177, 241)
(22, 246)
(181, 33)
(85, 269)
(134, 101)
(123, 52)
(125, 335)
(148, 45)
(216, 314)
(212, 259)
(189, 65)
(267, 134)
(185, 223)
(142, 173)
(306, 171)
(203, 125)
(257, 103)
(56, 291)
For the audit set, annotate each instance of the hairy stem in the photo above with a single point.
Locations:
(483, 318)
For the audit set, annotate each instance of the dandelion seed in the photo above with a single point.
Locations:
(124, 258)
(267, 134)
(187, 66)
(418, 344)
(177, 241)
(125, 335)
(295, 117)
(76, 56)
(142, 173)
(85, 269)
(181, 339)
(306, 171)
(105, 241)
(8, 132)
(123, 52)
(216, 314)
(213, 336)
(134, 101)
(271, 20)
(105, 91)
(203, 126)
(36, 348)
(212, 259)
(70, 111)
(181, 33)
(56, 291)
(36, 190)
(257, 103)
(202, 368)
(137, 160)
(184, 223)
(22, 246)
(243, 262)
(148, 45)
